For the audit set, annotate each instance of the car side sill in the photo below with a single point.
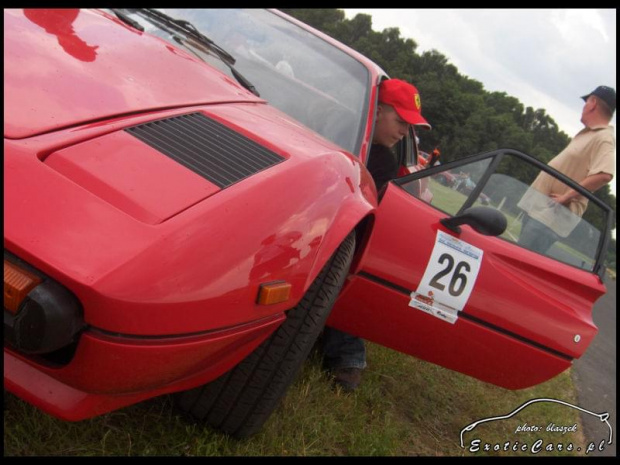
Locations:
(473, 319)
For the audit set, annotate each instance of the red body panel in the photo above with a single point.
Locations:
(147, 246)
(149, 188)
(172, 278)
(503, 333)
(466, 346)
(122, 269)
(110, 372)
(55, 69)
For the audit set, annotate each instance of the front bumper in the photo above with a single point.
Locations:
(112, 371)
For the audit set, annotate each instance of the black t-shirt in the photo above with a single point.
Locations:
(382, 164)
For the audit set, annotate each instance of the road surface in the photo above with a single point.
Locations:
(594, 374)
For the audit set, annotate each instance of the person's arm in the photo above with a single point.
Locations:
(592, 183)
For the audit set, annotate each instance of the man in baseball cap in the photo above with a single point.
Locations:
(605, 94)
(588, 159)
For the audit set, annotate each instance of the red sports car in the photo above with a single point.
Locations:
(186, 200)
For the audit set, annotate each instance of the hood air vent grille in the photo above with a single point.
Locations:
(206, 147)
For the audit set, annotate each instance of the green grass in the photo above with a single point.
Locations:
(446, 198)
(404, 407)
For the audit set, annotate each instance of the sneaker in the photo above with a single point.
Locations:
(347, 378)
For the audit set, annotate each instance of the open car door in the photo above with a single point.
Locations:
(436, 283)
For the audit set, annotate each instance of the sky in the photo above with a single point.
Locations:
(547, 58)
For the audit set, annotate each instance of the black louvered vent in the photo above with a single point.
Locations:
(206, 147)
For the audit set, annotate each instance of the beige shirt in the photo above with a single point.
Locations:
(590, 152)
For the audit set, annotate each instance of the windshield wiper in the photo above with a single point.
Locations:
(126, 19)
(190, 30)
(187, 26)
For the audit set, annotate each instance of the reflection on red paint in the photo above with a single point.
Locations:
(278, 252)
(59, 22)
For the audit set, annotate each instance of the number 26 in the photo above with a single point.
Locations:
(458, 280)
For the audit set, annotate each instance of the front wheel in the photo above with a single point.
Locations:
(241, 400)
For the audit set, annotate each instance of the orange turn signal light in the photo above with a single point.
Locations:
(17, 284)
(274, 293)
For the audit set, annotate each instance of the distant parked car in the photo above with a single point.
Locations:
(446, 178)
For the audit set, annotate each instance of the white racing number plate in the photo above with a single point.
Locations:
(449, 278)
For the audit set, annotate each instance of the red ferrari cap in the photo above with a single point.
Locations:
(405, 99)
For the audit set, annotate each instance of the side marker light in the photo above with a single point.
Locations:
(17, 284)
(274, 293)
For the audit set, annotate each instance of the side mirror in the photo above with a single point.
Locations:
(484, 220)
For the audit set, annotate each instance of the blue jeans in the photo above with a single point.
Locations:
(342, 350)
(536, 236)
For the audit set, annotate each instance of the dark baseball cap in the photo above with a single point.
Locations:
(606, 94)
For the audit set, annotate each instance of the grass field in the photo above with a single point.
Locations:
(405, 407)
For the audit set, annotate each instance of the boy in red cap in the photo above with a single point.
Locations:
(403, 98)
(399, 107)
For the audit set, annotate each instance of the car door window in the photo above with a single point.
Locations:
(503, 180)
(452, 188)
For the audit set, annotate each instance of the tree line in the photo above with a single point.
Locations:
(466, 118)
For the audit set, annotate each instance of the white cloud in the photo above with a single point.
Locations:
(574, 24)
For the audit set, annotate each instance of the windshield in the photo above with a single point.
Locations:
(302, 75)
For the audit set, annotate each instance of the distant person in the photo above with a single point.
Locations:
(462, 180)
(399, 107)
(434, 160)
(588, 159)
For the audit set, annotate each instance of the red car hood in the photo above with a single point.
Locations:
(88, 67)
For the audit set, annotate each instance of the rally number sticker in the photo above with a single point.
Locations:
(449, 278)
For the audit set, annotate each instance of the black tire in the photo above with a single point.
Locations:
(241, 400)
